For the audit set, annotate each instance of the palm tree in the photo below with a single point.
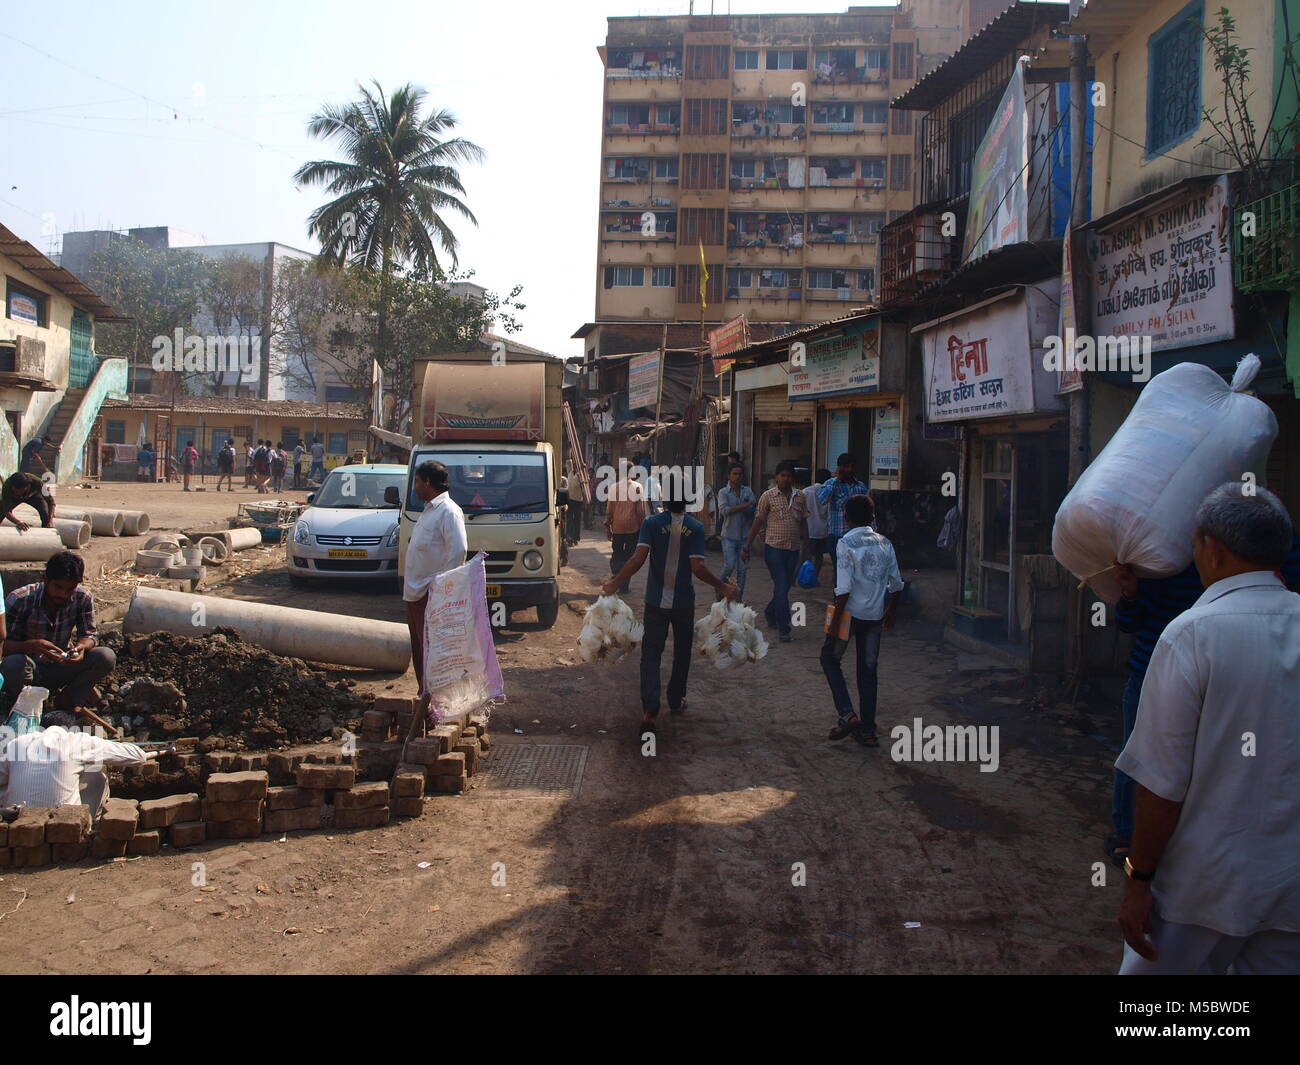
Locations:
(399, 180)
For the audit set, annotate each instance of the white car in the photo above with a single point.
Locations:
(349, 532)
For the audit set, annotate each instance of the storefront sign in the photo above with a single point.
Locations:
(727, 338)
(643, 381)
(885, 442)
(999, 197)
(1166, 273)
(987, 363)
(835, 365)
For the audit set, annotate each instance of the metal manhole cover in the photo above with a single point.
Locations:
(535, 771)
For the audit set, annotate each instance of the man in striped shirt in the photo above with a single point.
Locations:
(674, 544)
(780, 517)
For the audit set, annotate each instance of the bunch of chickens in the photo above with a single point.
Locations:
(726, 635)
(610, 630)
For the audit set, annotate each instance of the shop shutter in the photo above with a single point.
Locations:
(772, 405)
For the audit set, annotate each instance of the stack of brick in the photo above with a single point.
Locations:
(293, 809)
(377, 726)
(68, 833)
(177, 819)
(116, 828)
(233, 804)
(402, 711)
(362, 805)
(408, 790)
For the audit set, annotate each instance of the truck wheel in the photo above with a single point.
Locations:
(547, 613)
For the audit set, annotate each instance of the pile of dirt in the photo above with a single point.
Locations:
(229, 693)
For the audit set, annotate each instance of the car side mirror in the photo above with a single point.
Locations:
(392, 495)
(311, 497)
(561, 498)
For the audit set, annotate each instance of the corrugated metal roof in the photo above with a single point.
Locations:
(38, 265)
(1105, 21)
(980, 51)
(267, 408)
(858, 313)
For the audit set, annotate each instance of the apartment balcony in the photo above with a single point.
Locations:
(635, 236)
(845, 138)
(913, 254)
(757, 251)
(851, 252)
(648, 88)
(641, 140)
(638, 196)
(861, 194)
(1269, 260)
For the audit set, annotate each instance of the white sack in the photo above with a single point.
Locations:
(1136, 503)
(609, 631)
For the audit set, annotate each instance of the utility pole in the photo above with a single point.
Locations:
(1079, 412)
(659, 397)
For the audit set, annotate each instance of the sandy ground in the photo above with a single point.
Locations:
(748, 843)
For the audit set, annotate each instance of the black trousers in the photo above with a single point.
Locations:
(657, 623)
(624, 547)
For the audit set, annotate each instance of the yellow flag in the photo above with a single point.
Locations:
(704, 278)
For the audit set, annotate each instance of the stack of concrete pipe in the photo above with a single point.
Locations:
(34, 545)
(74, 534)
(105, 522)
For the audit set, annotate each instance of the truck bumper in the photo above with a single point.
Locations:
(516, 593)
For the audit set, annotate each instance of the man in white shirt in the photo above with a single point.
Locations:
(437, 544)
(867, 586)
(1214, 863)
(59, 767)
(816, 521)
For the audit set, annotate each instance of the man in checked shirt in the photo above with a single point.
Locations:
(49, 636)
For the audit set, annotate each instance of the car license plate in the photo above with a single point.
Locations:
(338, 552)
(494, 591)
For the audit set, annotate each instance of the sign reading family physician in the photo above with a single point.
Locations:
(643, 380)
(977, 365)
(835, 365)
(1166, 272)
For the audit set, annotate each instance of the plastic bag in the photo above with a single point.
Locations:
(28, 709)
(461, 671)
(609, 631)
(1136, 503)
(807, 575)
(727, 637)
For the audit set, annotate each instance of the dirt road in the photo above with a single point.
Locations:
(748, 843)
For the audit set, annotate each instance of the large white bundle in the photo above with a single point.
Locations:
(609, 631)
(727, 637)
(1136, 503)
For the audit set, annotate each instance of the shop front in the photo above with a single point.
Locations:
(772, 428)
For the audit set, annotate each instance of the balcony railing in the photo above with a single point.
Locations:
(913, 253)
(642, 130)
(1269, 260)
(644, 72)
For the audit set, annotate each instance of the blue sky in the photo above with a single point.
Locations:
(193, 115)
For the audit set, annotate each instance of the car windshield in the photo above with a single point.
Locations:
(357, 489)
(507, 483)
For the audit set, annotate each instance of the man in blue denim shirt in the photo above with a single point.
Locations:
(736, 504)
(833, 495)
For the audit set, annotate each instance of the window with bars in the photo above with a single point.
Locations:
(744, 168)
(629, 114)
(707, 61)
(688, 284)
(746, 59)
(705, 171)
(837, 113)
(875, 113)
(705, 118)
(624, 276)
(663, 276)
(666, 168)
(900, 121)
(1174, 54)
(701, 224)
(668, 114)
(904, 60)
(900, 171)
(787, 59)
(873, 168)
(876, 59)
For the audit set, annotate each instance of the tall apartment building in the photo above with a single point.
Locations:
(767, 141)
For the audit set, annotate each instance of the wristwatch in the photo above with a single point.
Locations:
(1134, 874)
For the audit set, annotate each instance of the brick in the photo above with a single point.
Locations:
(187, 760)
(423, 751)
(469, 732)
(119, 819)
(6, 857)
(283, 763)
(219, 761)
(469, 748)
(447, 736)
(145, 842)
(159, 813)
(28, 830)
(370, 817)
(377, 761)
(322, 758)
(148, 771)
(412, 806)
(409, 783)
(293, 798)
(250, 762)
(311, 775)
(484, 744)
(245, 810)
(362, 796)
(450, 785)
(187, 833)
(103, 847)
(4, 834)
(67, 853)
(448, 765)
(305, 817)
(236, 787)
(68, 824)
(480, 721)
(377, 719)
(27, 857)
(394, 704)
(234, 829)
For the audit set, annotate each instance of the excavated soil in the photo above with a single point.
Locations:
(229, 693)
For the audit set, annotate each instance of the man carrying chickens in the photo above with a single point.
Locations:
(674, 544)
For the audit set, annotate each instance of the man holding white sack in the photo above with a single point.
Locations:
(437, 544)
(1214, 867)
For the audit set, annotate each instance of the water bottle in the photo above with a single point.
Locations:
(27, 711)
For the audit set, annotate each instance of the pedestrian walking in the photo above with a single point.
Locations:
(625, 510)
(189, 459)
(437, 545)
(736, 507)
(674, 544)
(815, 521)
(298, 452)
(248, 463)
(833, 494)
(1147, 606)
(317, 471)
(226, 466)
(780, 518)
(1213, 876)
(278, 461)
(262, 466)
(867, 587)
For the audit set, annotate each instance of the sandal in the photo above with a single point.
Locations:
(1117, 849)
(844, 729)
(866, 739)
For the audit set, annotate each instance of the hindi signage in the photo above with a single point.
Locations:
(643, 380)
(732, 336)
(1166, 272)
(844, 362)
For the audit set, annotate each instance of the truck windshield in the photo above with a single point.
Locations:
(508, 483)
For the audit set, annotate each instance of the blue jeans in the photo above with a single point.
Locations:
(733, 563)
(867, 635)
(782, 565)
(832, 542)
(1122, 796)
(317, 472)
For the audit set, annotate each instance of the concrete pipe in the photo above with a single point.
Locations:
(185, 572)
(317, 637)
(241, 539)
(74, 534)
(153, 561)
(34, 545)
(102, 522)
(214, 550)
(167, 541)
